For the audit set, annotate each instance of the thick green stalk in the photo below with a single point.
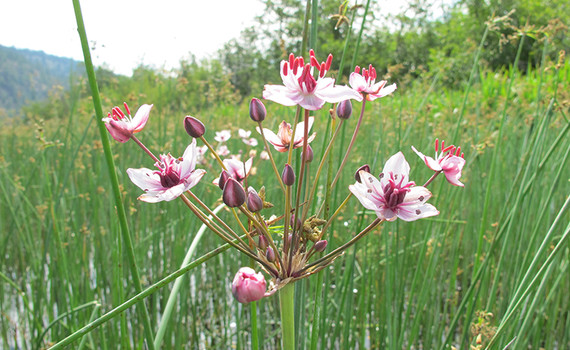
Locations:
(287, 304)
(112, 172)
(176, 287)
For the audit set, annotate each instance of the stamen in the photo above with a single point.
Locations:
(458, 151)
(436, 145)
(329, 62)
(285, 68)
(314, 62)
(127, 108)
(452, 147)
(291, 60)
(322, 70)
(357, 70)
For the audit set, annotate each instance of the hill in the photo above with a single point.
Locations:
(27, 76)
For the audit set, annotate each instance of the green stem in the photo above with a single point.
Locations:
(287, 304)
(143, 312)
(254, 333)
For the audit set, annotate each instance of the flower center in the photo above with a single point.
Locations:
(307, 79)
(395, 191)
(169, 171)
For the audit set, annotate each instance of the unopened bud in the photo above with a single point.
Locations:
(310, 155)
(262, 243)
(270, 254)
(194, 127)
(257, 110)
(248, 286)
(254, 202)
(295, 221)
(288, 175)
(344, 109)
(320, 246)
(234, 194)
(365, 167)
(224, 176)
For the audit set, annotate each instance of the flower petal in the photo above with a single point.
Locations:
(430, 162)
(188, 160)
(334, 94)
(141, 117)
(396, 165)
(281, 94)
(415, 212)
(146, 179)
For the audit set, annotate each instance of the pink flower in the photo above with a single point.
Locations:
(393, 196)
(282, 140)
(300, 87)
(248, 286)
(222, 136)
(264, 155)
(223, 150)
(236, 169)
(173, 177)
(122, 126)
(366, 84)
(449, 160)
(245, 137)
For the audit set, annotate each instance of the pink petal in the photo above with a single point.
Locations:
(141, 117)
(430, 162)
(357, 82)
(119, 130)
(166, 195)
(415, 212)
(452, 167)
(281, 94)
(335, 94)
(188, 160)
(194, 178)
(270, 137)
(360, 192)
(383, 92)
(145, 179)
(300, 131)
(397, 165)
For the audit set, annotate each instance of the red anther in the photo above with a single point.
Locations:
(357, 69)
(461, 155)
(291, 61)
(301, 61)
(458, 151)
(370, 68)
(436, 144)
(314, 62)
(295, 66)
(329, 62)
(373, 73)
(442, 145)
(365, 74)
(452, 147)
(322, 70)
(127, 108)
(312, 53)
(285, 68)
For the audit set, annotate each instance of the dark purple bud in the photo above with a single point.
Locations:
(262, 242)
(310, 155)
(344, 109)
(270, 254)
(224, 176)
(234, 194)
(257, 110)
(365, 167)
(288, 175)
(254, 202)
(194, 127)
(292, 223)
(320, 246)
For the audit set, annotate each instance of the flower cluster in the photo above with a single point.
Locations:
(292, 245)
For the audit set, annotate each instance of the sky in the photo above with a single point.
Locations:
(125, 33)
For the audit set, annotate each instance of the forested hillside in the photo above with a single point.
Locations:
(27, 76)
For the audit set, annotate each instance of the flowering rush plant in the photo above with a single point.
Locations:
(292, 244)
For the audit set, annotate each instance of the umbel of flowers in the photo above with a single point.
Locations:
(293, 244)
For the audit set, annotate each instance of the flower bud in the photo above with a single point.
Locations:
(365, 167)
(248, 285)
(254, 202)
(257, 110)
(234, 194)
(224, 176)
(262, 243)
(344, 109)
(310, 155)
(194, 127)
(288, 175)
(297, 221)
(270, 254)
(320, 246)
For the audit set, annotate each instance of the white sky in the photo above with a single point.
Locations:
(126, 33)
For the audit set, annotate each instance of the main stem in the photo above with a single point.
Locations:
(287, 304)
